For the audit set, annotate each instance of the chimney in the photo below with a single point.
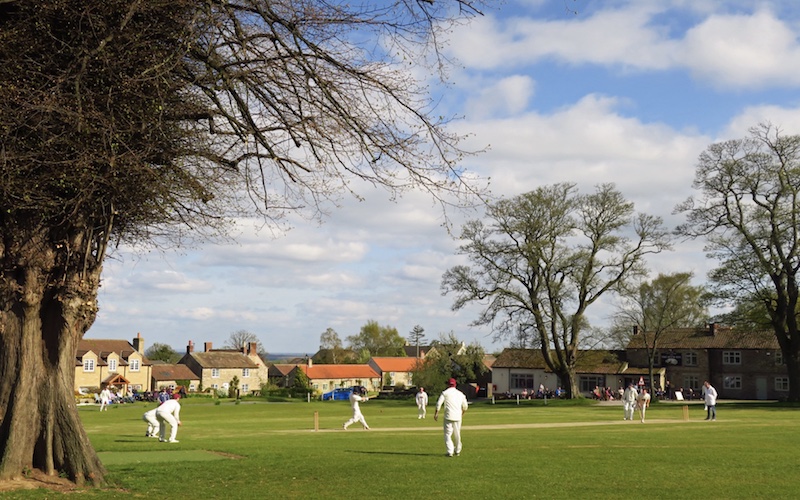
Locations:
(138, 343)
(207, 346)
(252, 348)
(712, 328)
(636, 329)
(190, 347)
(309, 363)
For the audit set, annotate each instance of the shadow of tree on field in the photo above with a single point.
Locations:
(393, 453)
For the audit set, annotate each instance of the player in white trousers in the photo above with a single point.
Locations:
(152, 423)
(422, 403)
(643, 402)
(455, 404)
(169, 412)
(629, 398)
(355, 397)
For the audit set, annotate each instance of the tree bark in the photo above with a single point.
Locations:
(47, 303)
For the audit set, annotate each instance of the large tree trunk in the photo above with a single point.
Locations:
(791, 355)
(48, 299)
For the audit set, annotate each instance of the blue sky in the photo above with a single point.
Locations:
(629, 92)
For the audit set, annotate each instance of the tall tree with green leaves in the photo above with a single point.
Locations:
(544, 257)
(667, 302)
(162, 352)
(377, 340)
(450, 358)
(332, 350)
(150, 122)
(748, 211)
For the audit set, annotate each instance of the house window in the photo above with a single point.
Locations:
(690, 359)
(782, 383)
(589, 382)
(215, 386)
(732, 382)
(191, 387)
(215, 373)
(691, 382)
(245, 388)
(245, 372)
(779, 358)
(731, 357)
(522, 380)
(134, 364)
(324, 387)
(88, 365)
(112, 365)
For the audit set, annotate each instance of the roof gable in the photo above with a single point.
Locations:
(396, 364)
(222, 359)
(173, 372)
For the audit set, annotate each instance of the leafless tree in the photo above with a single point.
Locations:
(142, 121)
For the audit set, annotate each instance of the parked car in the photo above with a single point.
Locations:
(343, 393)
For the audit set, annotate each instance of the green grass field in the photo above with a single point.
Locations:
(561, 450)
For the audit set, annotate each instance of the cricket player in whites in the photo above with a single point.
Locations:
(629, 398)
(422, 403)
(152, 423)
(455, 404)
(643, 402)
(169, 412)
(358, 394)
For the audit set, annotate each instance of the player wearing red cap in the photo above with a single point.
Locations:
(455, 404)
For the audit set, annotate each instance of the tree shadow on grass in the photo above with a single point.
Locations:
(393, 453)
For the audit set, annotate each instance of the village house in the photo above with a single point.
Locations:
(216, 368)
(739, 364)
(324, 378)
(167, 376)
(517, 371)
(116, 364)
(395, 372)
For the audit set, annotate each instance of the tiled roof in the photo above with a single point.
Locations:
(702, 338)
(338, 371)
(104, 347)
(396, 364)
(589, 361)
(222, 359)
(520, 358)
(280, 370)
(173, 372)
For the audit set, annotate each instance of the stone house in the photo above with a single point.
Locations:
(216, 368)
(117, 364)
(739, 364)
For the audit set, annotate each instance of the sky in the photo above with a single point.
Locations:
(583, 91)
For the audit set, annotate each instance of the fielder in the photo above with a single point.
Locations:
(642, 402)
(152, 423)
(355, 397)
(629, 398)
(455, 404)
(169, 412)
(422, 403)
